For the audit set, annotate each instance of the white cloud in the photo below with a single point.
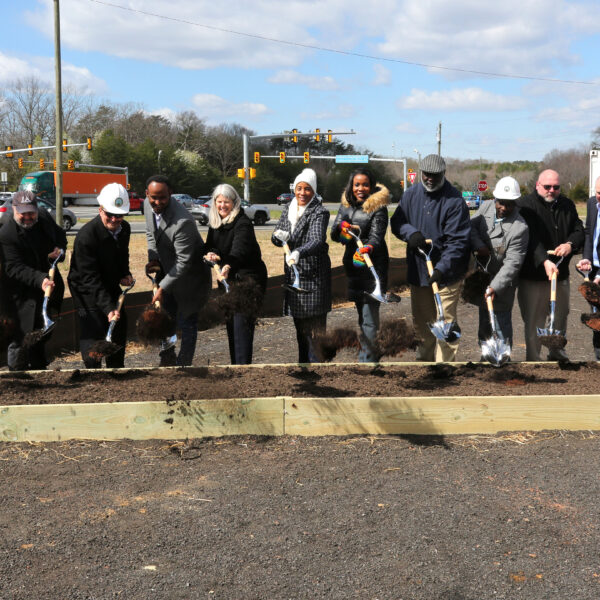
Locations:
(165, 112)
(383, 76)
(460, 99)
(343, 111)
(211, 106)
(291, 77)
(81, 78)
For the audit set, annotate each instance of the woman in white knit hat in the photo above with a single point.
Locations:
(303, 225)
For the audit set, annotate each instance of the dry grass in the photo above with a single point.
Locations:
(272, 255)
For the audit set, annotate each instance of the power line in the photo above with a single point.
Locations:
(343, 52)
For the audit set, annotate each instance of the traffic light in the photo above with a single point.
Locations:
(54, 164)
(89, 143)
(252, 173)
(306, 157)
(257, 157)
(42, 164)
(329, 139)
(282, 157)
(30, 151)
(128, 186)
(20, 163)
(295, 137)
(70, 164)
(241, 173)
(65, 145)
(8, 154)
(317, 136)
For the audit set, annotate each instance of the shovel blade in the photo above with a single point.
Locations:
(445, 331)
(292, 288)
(495, 351)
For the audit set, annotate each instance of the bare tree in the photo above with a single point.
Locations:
(224, 147)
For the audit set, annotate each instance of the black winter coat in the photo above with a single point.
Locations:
(314, 266)
(25, 265)
(550, 224)
(372, 218)
(236, 244)
(98, 263)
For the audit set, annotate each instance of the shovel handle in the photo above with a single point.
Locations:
(218, 272)
(154, 290)
(490, 303)
(553, 287)
(48, 290)
(287, 251)
(120, 303)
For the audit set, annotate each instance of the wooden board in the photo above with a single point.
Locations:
(142, 420)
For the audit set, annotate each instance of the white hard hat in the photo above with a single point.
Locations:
(507, 188)
(114, 199)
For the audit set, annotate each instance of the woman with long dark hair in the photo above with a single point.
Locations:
(364, 212)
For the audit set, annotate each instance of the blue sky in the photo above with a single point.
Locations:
(169, 65)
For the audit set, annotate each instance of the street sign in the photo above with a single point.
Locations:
(4, 177)
(351, 158)
(482, 186)
(411, 177)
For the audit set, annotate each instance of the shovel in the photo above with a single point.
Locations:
(168, 342)
(295, 287)
(445, 331)
(220, 277)
(495, 350)
(106, 347)
(36, 336)
(376, 293)
(589, 320)
(552, 338)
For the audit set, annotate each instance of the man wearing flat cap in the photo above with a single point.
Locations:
(30, 242)
(434, 210)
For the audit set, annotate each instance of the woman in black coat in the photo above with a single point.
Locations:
(303, 225)
(232, 244)
(364, 210)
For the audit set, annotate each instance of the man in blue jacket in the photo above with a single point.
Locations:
(434, 210)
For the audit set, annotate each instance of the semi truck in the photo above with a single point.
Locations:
(78, 187)
(594, 169)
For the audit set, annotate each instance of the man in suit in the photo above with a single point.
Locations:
(591, 250)
(175, 251)
(99, 267)
(30, 242)
(553, 225)
(499, 236)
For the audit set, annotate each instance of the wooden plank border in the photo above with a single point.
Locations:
(298, 416)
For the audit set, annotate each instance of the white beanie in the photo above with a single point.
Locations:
(307, 176)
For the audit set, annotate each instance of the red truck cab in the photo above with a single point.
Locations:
(136, 202)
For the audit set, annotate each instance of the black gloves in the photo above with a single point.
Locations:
(435, 277)
(417, 240)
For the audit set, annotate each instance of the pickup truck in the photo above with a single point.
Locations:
(136, 202)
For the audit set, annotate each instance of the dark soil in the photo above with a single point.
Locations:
(591, 292)
(462, 518)
(472, 379)
(474, 287)
(153, 326)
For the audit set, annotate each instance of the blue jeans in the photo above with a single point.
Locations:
(240, 333)
(368, 321)
(503, 325)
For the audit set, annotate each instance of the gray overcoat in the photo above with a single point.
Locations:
(178, 246)
(507, 241)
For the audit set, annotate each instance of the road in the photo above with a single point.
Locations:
(88, 212)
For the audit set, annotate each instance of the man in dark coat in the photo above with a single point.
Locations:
(591, 250)
(99, 266)
(176, 250)
(553, 225)
(433, 209)
(30, 242)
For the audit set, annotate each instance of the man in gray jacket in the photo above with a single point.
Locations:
(175, 251)
(500, 235)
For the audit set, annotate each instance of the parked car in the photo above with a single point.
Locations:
(69, 217)
(285, 198)
(136, 202)
(258, 213)
(184, 199)
(200, 209)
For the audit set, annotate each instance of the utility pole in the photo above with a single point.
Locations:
(58, 124)
(439, 138)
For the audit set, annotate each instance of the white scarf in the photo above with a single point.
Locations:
(295, 212)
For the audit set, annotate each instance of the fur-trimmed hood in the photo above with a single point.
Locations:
(381, 197)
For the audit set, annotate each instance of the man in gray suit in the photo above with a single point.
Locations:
(175, 251)
(500, 235)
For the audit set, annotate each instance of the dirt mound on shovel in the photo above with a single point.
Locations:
(154, 325)
(554, 341)
(102, 349)
(474, 287)
(591, 292)
(591, 320)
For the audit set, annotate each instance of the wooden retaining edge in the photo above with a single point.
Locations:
(298, 416)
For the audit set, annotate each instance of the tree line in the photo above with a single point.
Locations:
(197, 156)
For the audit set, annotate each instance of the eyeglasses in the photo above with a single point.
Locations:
(551, 187)
(112, 215)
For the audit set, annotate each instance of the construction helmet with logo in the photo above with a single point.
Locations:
(113, 198)
(507, 188)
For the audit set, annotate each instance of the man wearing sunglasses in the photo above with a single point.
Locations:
(553, 226)
(99, 267)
